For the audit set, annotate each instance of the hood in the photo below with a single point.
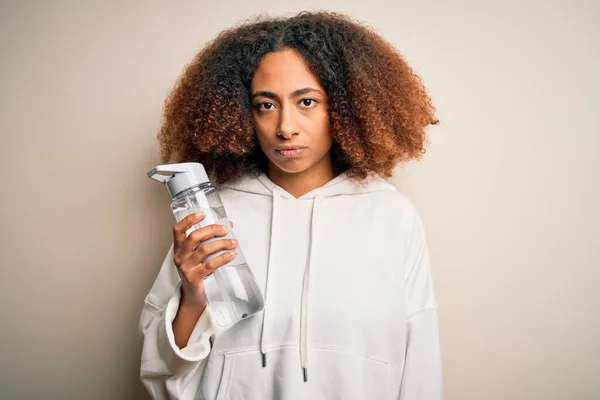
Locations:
(259, 183)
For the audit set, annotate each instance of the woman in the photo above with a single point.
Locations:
(298, 120)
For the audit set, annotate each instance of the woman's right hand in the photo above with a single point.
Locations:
(190, 257)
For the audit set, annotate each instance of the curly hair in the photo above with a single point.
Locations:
(378, 108)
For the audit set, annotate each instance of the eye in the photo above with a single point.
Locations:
(308, 102)
(265, 106)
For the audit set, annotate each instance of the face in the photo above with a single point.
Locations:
(289, 110)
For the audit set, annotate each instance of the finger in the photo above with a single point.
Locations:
(218, 262)
(200, 235)
(182, 226)
(207, 249)
(195, 271)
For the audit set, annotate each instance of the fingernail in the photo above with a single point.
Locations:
(233, 253)
(233, 241)
(200, 215)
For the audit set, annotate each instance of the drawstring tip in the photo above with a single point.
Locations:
(305, 374)
(264, 359)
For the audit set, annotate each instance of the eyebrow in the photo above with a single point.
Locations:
(295, 93)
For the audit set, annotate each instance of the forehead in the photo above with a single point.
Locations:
(283, 71)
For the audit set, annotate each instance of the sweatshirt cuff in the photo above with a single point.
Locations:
(198, 346)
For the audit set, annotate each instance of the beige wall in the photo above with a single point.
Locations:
(509, 189)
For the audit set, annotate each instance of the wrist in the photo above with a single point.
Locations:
(193, 303)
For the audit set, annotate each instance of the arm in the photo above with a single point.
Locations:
(185, 320)
(167, 370)
(422, 378)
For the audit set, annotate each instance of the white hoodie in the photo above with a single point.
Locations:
(349, 303)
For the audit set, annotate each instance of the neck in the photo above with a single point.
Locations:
(298, 184)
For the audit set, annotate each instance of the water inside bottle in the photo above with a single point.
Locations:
(233, 294)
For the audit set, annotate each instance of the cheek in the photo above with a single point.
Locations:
(322, 120)
(262, 139)
(322, 128)
(261, 129)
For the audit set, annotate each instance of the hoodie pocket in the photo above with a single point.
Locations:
(332, 374)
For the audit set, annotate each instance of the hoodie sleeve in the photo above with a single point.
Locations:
(166, 371)
(422, 378)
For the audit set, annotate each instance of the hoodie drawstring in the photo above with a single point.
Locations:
(305, 292)
(305, 287)
(263, 348)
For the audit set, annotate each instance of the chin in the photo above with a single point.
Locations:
(292, 170)
(291, 167)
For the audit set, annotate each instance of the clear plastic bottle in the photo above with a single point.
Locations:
(232, 290)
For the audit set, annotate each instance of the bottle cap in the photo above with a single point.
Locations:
(179, 177)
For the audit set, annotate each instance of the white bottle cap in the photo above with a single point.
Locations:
(179, 177)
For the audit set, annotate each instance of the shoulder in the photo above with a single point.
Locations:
(247, 183)
(387, 195)
(400, 211)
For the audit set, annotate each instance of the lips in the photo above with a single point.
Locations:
(291, 151)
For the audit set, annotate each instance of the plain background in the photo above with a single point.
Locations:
(508, 190)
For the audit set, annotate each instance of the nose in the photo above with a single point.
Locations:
(287, 123)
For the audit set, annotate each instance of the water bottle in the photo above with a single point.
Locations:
(232, 290)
